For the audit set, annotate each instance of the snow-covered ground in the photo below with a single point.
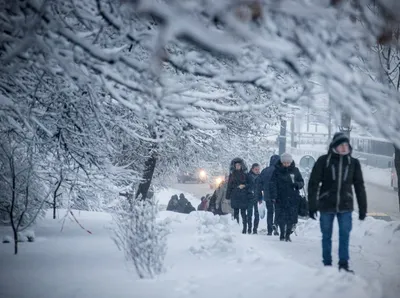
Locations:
(207, 257)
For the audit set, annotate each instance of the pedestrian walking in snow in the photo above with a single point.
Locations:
(330, 191)
(237, 191)
(285, 184)
(263, 186)
(254, 198)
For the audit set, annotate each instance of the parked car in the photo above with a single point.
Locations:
(197, 176)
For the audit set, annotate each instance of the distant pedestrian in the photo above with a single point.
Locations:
(330, 191)
(237, 191)
(254, 198)
(285, 184)
(263, 187)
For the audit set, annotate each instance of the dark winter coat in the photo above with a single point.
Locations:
(265, 178)
(239, 197)
(173, 203)
(252, 179)
(286, 193)
(331, 181)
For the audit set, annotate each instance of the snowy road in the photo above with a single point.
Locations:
(381, 199)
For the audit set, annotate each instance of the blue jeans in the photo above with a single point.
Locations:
(345, 225)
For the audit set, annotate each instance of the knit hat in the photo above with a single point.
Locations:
(338, 139)
(286, 157)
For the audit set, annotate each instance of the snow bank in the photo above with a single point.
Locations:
(215, 258)
(207, 256)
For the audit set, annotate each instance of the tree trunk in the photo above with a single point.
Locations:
(292, 126)
(345, 126)
(148, 172)
(282, 137)
(55, 195)
(397, 166)
(15, 233)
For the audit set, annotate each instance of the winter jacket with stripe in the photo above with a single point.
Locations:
(330, 185)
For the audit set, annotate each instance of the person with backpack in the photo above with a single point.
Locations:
(254, 198)
(237, 191)
(263, 186)
(285, 184)
(222, 205)
(330, 192)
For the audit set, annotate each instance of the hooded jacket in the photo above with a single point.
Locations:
(284, 190)
(239, 197)
(265, 178)
(331, 180)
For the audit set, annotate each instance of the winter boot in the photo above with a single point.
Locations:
(344, 265)
(245, 227)
(269, 233)
(282, 238)
(254, 231)
(249, 229)
(276, 233)
(287, 233)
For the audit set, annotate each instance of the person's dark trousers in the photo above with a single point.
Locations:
(285, 230)
(236, 214)
(252, 206)
(345, 225)
(244, 217)
(270, 215)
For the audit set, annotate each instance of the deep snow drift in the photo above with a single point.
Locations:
(207, 257)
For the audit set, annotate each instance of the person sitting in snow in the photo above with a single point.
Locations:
(204, 204)
(237, 191)
(173, 203)
(184, 206)
(330, 191)
(285, 184)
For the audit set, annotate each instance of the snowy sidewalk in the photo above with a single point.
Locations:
(207, 257)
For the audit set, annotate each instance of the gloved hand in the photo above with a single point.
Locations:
(312, 214)
(362, 216)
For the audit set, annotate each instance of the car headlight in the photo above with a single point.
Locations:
(218, 180)
(202, 174)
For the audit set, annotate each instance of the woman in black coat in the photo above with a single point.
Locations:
(285, 185)
(237, 190)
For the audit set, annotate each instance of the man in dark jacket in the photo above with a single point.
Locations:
(237, 191)
(263, 185)
(284, 190)
(330, 191)
(252, 177)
